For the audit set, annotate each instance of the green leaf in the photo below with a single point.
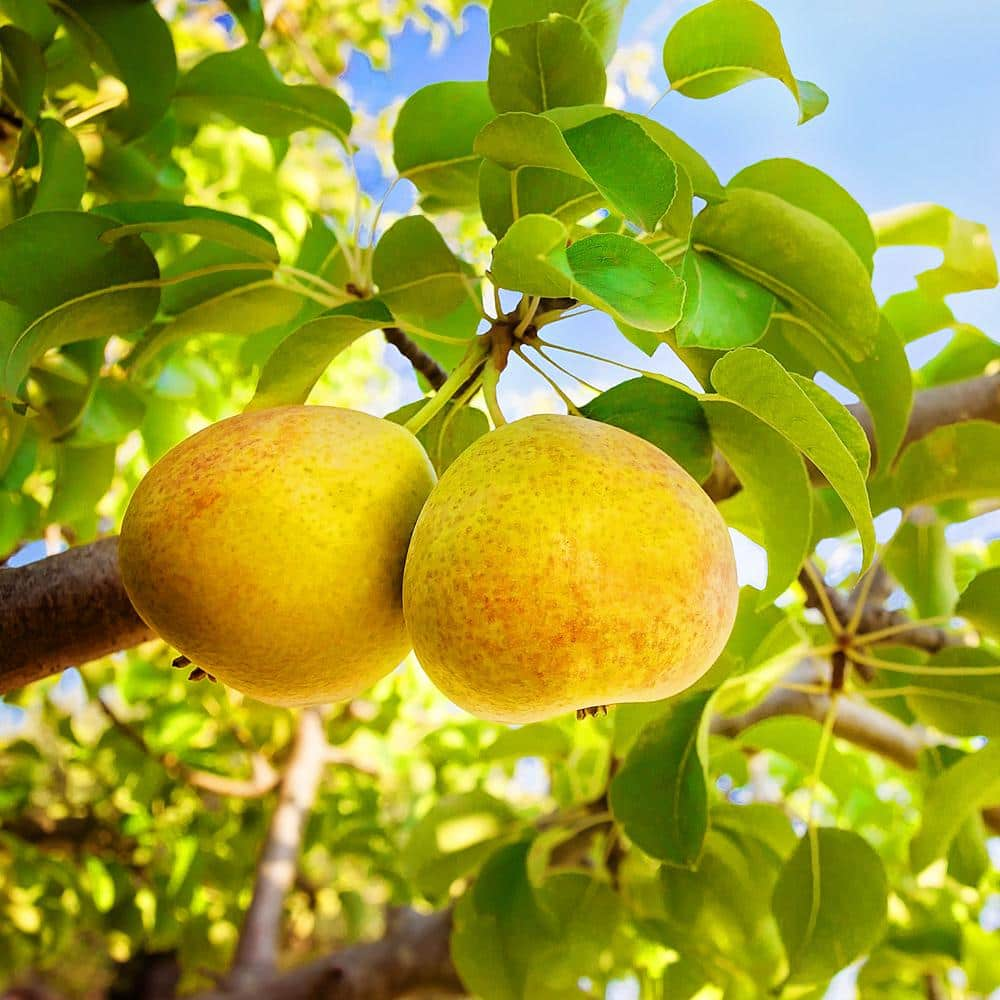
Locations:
(725, 43)
(242, 86)
(965, 705)
(638, 179)
(34, 16)
(969, 262)
(841, 420)
(776, 483)
(980, 602)
(245, 309)
(447, 434)
(417, 275)
(230, 230)
(722, 309)
(537, 739)
(610, 272)
(102, 885)
(453, 838)
(297, 363)
(251, 17)
(777, 245)
(602, 18)
(114, 409)
(920, 559)
(23, 81)
(810, 189)
(755, 381)
(951, 798)
(969, 353)
(664, 415)
(519, 139)
(63, 177)
(505, 196)
(914, 314)
(546, 64)
(131, 41)
(954, 461)
(83, 476)
(435, 151)
(830, 903)
(66, 285)
(660, 795)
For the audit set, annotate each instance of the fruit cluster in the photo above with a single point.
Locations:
(297, 554)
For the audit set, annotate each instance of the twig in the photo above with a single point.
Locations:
(263, 776)
(420, 360)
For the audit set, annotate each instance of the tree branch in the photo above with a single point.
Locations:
(72, 608)
(257, 950)
(263, 776)
(421, 361)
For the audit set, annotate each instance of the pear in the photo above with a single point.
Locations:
(269, 550)
(565, 564)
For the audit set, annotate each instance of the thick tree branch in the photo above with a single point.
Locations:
(257, 951)
(62, 611)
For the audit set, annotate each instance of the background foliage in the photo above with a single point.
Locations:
(182, 236)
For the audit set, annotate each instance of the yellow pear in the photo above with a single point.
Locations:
(269, 549)
(565, 564)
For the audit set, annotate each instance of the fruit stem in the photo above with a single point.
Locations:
(490, 378)
(467, 369)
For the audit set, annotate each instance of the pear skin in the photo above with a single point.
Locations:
(562, 564)
(269, 550)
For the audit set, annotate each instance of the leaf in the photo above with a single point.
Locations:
(83, 476)
(242, 310)
(920, 559)
(914, 314)
(610, 272)
(170, 217)
(638, 179)
(602, 18)
(519, 139)
(102, 885)
(546, 64)
(34, 16)
(969, 353)
(777, 245)
(810, 189)
(241, 85)
(664, 415)
(251, 17)
(537, 739)
(969, 262)
(453, 838)
(23, 82)
(534, 191)
(725, 43)
(980, 602)
(131, 41)
(297, 363)
(964, 705)
(435, 151)
(63, 177)
(775, 481)
(841, 420)
(660, 795)
(722, 309)
(883, 380)
(447, 434)
(830, 903)
(755, 381)
(954, 461)
(951, 798)
(417, 275)
(66, 285)
(114, 409)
